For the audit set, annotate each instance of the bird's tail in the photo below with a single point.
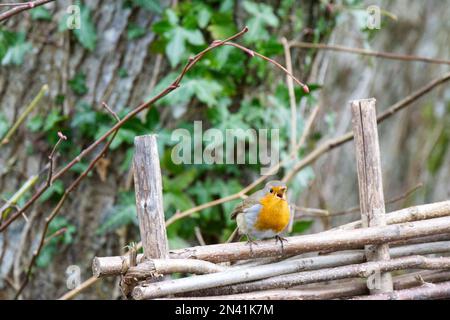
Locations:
(234, 236)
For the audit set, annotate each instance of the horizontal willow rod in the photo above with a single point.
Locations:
(338, 240)
(115, 265)
(424, 292)
(286, 278)
(160, 289)
(326, 292)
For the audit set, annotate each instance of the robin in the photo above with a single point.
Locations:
(264, 214)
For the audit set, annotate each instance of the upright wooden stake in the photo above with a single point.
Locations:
(149, 199)
(371, 196)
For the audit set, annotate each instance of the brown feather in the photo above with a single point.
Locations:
(247, 203)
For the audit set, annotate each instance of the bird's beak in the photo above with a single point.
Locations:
(281, 192)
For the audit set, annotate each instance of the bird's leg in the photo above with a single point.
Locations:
(281, 239)
(250, 242)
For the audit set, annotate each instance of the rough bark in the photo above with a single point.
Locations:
(371, 197)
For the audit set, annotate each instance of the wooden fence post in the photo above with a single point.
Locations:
(371, 198)
(149, 198)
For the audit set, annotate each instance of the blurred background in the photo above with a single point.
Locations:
(129, 50)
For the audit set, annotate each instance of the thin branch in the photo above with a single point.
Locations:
(404, 195)
(255, 183)
(54, 235)
(59, 205)
(74, 292)
(253, 53)
(61, 137)
(364, 52)
(4, 210)
(119, 124)
(291, 91)
(22, 7)
(113, 114)
(24, 114)
(338, 141)
(424, 211)
(198, 235)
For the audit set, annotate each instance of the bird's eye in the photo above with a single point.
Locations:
(271, 190)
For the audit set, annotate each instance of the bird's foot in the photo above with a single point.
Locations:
(280, 239)
(251, 242)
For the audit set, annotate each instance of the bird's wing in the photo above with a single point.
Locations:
(250, 201)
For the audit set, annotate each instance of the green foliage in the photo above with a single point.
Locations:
(439, 151)
(13, 47)
(262, 17)
(226, 89)
(40, 13)
(55, 191)
(78, 84)
(150, 5)
(53, 246)
(122, 214)
(301, 226)
(4, 126)
(177, 35)
(134, 31)
(86, 34)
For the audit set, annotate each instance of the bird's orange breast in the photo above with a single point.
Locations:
(274, 214)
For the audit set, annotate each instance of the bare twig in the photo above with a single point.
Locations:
(4, 210)
(21, 7)
(290, 85)
(23, 116)
(253, 53)
(191, 62)
(386, 55)
(402, 196)
(424, 211)
(335, 142)
(54, 235)
(61, 137)
(59, 205)
(113, 114)
(198, 235)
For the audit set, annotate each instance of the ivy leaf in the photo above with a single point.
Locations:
(135, 31)
(3, 125)
(150, 5)
(178, 200)
(86, 34)
(181, 181)
(176, 47)
(194, 37)
(35, 123)
(40, 13)
(78, 84)
(13, 47)
(301, 226)
(52, 119)
(203, 17)
(123, 136)
(262, 16)
(56, 189)
(207, 91)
